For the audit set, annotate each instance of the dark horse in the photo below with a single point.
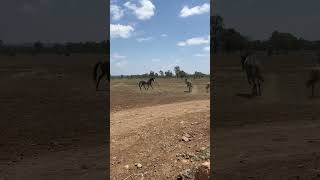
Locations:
(314, 78)
(144, 83)
(104, 67)
(253, 70)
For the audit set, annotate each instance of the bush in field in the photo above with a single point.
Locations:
(57, 48)
(230, 40)
(161, 73)
(168, 74)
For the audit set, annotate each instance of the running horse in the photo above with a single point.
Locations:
(148, 83)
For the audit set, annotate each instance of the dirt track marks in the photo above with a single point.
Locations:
(124, 121)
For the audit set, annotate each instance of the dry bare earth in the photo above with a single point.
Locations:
(276, 136)
(147, 126)
(52, 120)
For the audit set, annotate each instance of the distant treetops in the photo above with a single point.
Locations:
(229, 40)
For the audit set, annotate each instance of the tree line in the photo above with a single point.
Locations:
(178, 73)
(229, 40)
(67, 49)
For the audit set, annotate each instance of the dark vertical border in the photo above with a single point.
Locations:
(212, 89)
(107, 116)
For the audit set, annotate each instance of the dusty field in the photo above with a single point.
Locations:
(147, 127)
(52, 119)
(276, 136)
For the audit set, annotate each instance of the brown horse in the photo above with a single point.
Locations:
(148, 83)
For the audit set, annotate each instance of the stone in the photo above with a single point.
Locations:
(185, 139)
(138, 165)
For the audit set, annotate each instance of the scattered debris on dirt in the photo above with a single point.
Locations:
(138, 165)
(196, 171)
(186, 175)
(203, 171)
(165, 143)
(186, 137)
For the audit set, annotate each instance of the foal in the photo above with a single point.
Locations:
(189, 85)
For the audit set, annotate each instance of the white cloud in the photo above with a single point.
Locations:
(197, 10)
(122, 31)
(144, 39)
(194, 41)
(121, 64)
(116, 12)
(144, 12)
(207, 48)
(155, 60)
(201, 55)
(118, 60)
(164, 35)
(117, 56)
(182, 44)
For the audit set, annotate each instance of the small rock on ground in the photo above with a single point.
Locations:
(138, 165)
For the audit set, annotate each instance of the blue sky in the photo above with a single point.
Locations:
(158, 35)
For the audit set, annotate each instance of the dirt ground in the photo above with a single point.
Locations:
(147, 128)
(275, 136)
(52, 119)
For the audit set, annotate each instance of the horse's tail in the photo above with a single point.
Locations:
(95, 70)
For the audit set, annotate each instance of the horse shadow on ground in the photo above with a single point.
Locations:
(246, 95)
(187, 91)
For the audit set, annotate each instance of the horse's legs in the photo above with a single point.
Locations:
(259, 88)
(140, 86)
(145, 87)
(151, 86)
(99, 78)
(254, 89)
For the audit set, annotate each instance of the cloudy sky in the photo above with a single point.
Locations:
(53, 20)
(158, 35)
(258, 18)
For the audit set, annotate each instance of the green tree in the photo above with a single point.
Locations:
(284, 41)
(232, 40)
(183, 74)
(177, 71)
(38, 47)
(151, 74)
(168, 73)
(215, 31)
(161, 73)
